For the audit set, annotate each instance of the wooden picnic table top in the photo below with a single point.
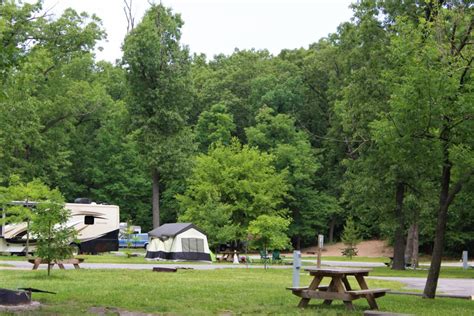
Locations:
(347, 271)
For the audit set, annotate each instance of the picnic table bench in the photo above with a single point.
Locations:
(74, 261)
(339, 287)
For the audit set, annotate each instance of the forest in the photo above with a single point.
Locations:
(373, 122)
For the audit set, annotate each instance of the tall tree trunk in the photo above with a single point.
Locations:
(156, 198)
(416, 245)
(399, 238)
(435, 267)
(331, 229)
(409, 246)
(433, 274)
(298, 242)
(446, 197)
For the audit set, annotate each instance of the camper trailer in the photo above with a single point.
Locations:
(97, 227)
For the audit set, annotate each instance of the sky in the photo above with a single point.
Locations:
(219, 26)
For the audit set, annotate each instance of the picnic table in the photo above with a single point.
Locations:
(339, 287)
(228, 255)
(74, 261)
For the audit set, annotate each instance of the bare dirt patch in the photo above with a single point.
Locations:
(369, 248)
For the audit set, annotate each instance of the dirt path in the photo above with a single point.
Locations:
(369, 248)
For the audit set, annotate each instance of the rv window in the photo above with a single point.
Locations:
(89, 220)
(192, 245)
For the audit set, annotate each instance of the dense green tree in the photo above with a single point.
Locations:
(229, 187)
(46, 94)
(160, 93)
(310, 209)
(214, 125)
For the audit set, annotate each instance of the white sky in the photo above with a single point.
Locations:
(220, 26)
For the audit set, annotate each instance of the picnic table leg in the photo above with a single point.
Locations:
(370, 297)
(338, 285)
(331, 288)
(76, 265)
(313, 286)
(371, 300)
(61, 266)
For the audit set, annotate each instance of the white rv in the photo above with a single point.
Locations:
(97, 229)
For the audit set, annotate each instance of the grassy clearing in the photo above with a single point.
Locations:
(446, 272)
(189, 292)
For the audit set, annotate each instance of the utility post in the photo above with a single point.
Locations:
(320, 247)
(296, 268)
(464, 260)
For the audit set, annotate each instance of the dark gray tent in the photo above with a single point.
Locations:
(178, 241)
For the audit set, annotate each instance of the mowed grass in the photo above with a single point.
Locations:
(446, 272)
(193, 292)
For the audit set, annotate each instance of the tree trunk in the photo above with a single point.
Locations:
(416, 243)
(433, 274)
(399, 238)
(331, 229)
(156, 198)
(409, 246)
(298, 242)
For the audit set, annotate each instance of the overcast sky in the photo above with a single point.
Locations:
(220, 26)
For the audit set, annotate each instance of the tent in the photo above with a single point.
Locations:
(178, 241)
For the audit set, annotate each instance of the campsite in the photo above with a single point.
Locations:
(202, 157)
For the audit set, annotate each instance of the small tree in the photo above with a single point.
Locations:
(130, 238)
(22, 212)
(350, 238)
(51, 232)
(269, 232)
(46, 217)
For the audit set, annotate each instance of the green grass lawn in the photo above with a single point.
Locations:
(446, 272)
(193, 292)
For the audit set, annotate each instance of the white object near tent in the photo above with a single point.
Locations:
(178, 241)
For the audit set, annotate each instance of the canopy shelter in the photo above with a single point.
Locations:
(178, 241)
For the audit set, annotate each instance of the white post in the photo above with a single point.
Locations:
(296, 268)
(464, 260)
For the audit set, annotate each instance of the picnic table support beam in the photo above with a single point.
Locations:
(346, 283)
(331, 288)
(313, 286)
(340, 288)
